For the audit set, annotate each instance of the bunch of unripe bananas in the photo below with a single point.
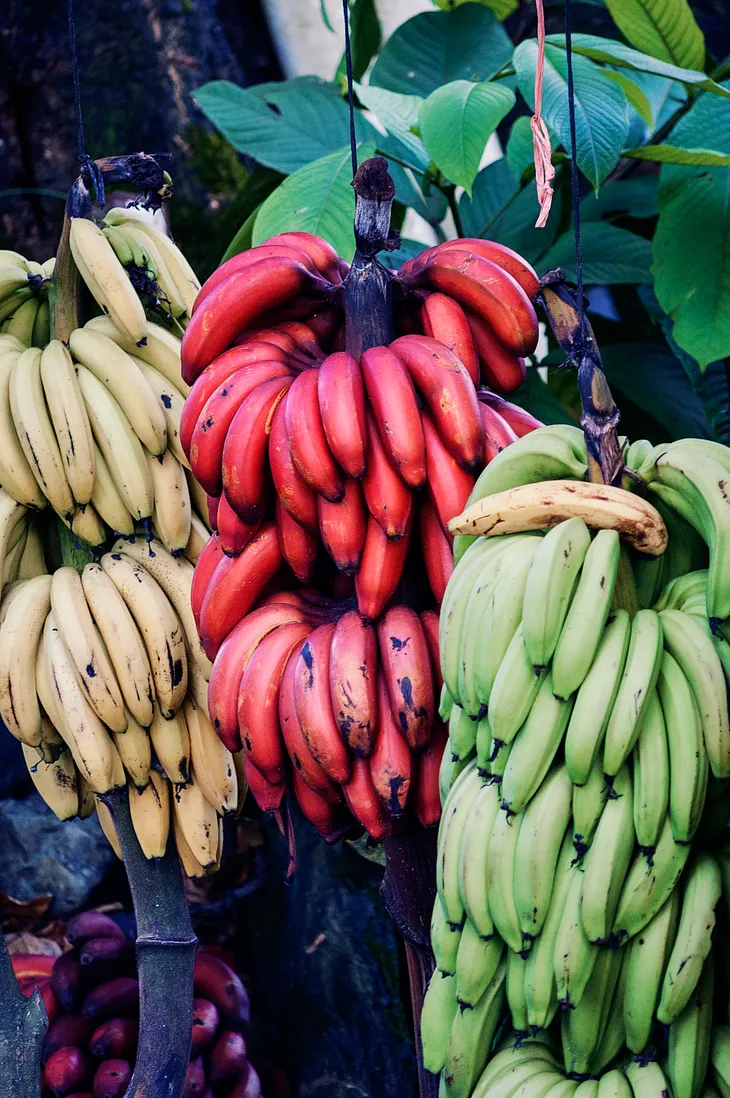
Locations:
(585, 783)
(24, 306)
(91, 997)
(302, 447)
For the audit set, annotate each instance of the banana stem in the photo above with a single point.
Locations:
(23, 1024)
(165, 953)
(368, 296)
(625, 593)
(64, 293)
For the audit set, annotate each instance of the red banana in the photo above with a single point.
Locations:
(489, 290)
(394, 405)
(299, 547)
(267, 796)
(343, 525)
(248, 1084)
(430, 623)
(113, 997)
(353, 681)
(205, 1024)
(501, 367)
(436, 546)
(66, 979)
(213, 511)
(235, 586)
(206, 564)
(69, 1029)
(27, 965)
(227, 1056)
(390, 762)
(258, 700)
(216, 981)
(252, 354)
(426, 766)
(245, 451)
(103, 949)
(444, 319)
(304, 339)
(229, 664)
(449, 486)
(519, 420)
(235, 305)
(112, 1078)
(195, 1084)
(92, 924)
(364, 803)
(324, 324)
(388, 498)
(211, 428)
(314, 707)
(405, 662)
(114, 1039)
(341, 394)
(381, 568)
(307, 441)
(449, 392)
(321, 253)
(500, 254)
(66, 1070)
(50, 1002)
(245, 260)
(304, 764)
(317, 809)
(497, 433)
(299, 500)
(233, 532)
(280, 339)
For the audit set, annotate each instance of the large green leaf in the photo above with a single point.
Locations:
(637, 197)
(670, 154)
(457, 120)
(398, 113)
(317, 198)
(601, 108)
(365, 37)
(437, 47)
(650, 376)
(538, 398)
(664, 28)
(502, 210)
(501, 8)
(610, 255)
(282, 125)
(635, 95)
(610, 52)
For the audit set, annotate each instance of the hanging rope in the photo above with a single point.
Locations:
(544, 170)
(85, 161)
(574, 183)
(350, 95)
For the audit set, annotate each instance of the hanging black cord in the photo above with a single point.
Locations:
(575, 188)
(85, 161)
(350, 95)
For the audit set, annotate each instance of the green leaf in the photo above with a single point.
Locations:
(409, 249)
(325, 17)
(704, 127)
(610, 255)
(670, 154)
(520, 151)
(365, 38)
(638, 197)
(610, 52)
(283, 125)
(317, 198)
(663, 28)
(399, 115)
(633, 93)
(692, 264)
(437, 47)
(456, 122)
(601, 109)
(503, 211)
(243, 240)
(537, 398)
(650, 376)
(501, 8)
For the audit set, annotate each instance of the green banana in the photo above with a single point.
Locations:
(453, 820)
(551, 582)
(446, 704)
(647, 1079)
(437, 1017)
(676, 593)
(484, 747)
(588, 613)
(649, 884)
(471, 1037)
(582, 1028)
(462, 734)
(476, 964)
(473, 858)
(720, 1058)
(535, 746)
(614, 1084)
(574, 955)
(688, 762)
(516, 999)
(509, 1069)
(595, 698)
(445, 940)
(543, 829)
(589, 801)
(540, 990)
(513, 691)
(500, 875)
(651, 776)
(613, 1035)
(689, 1038)
(647, 958)
(702, 891)
(608, 860)
(637, 682)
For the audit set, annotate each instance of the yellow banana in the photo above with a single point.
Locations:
(70, 419)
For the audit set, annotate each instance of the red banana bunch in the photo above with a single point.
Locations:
(90, 1046)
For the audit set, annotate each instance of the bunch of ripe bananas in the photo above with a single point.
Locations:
(24, 306)
(91, 997)
(581, 856)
